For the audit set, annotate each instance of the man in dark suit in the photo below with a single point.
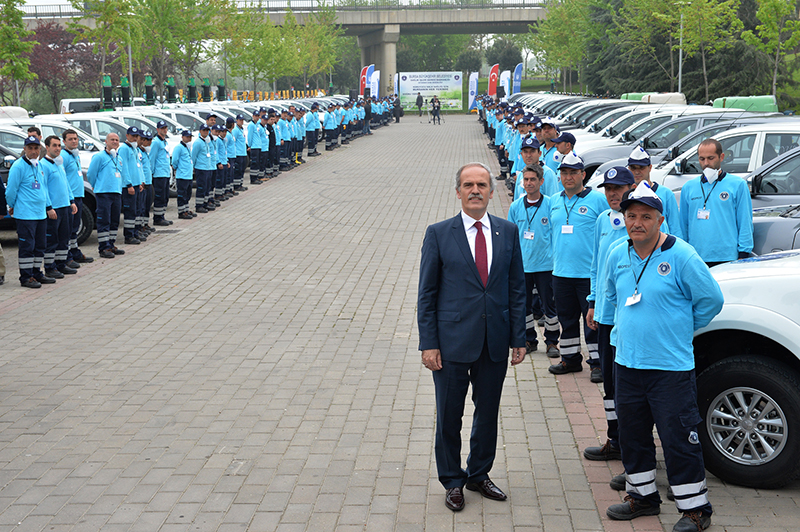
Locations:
(471, 309)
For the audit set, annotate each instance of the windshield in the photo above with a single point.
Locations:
(626, 122)
(646, 126)
(173, 128)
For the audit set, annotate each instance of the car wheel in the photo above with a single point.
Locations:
(87, 224)
(751, 421)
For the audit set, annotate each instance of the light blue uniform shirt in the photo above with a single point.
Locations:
(182, 161)
(675, 284)
(550, 157)
(608, 232)
(253, 138)
(72, 167)
(159, 158)
(535, 237)
(312, 121)
(105, 173)
(222, 151)
(672, 216)
(131, 165)
(572, 252)
(239, 140)
(26, 191)
(230, 145)
(329, 121)
(263, 136)
(728, 229)
(146, 165)
(500, 133)
(550, 184)
(203, 154)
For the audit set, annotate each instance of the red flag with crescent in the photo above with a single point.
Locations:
(494, 73)
(362, 80)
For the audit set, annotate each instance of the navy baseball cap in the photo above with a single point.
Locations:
(205, 127)
(530, 142)
(133, 131)
(639, 157)
(256, 113)
(618, 175)
(314, 106)
(565, 137)
(240, 116)
(32, 140)
(571, 160)
(230, 120)
(186, 133)
(209, 115)
(262, 110)
(145, 134)
(547, 121)
(642, 194)
(161, 124)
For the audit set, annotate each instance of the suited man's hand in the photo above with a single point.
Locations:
(517, 355)
(432, 359)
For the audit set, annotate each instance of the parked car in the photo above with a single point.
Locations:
(748, 373)
(776, 228)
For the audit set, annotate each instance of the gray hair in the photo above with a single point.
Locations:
(470, 165)
(536, 169)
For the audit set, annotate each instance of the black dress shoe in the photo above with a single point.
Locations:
(194, 214)
(618, 483)
(454, 499)
(487, 489)
(133, 241)
(66, 270)
(202, 210)
(30, 282)
(161, 222)
(2, 279)
(107, 254)
(562, 368)
(604, 453)
(84, 259)
(117, 251)
(72, 264)
(185, 216)
(45, 280)
(631, 509)
(52, 272)
(596, 375)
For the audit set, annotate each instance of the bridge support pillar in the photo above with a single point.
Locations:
(380, 48)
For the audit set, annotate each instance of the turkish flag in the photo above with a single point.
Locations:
(494, 73)
(362, 82)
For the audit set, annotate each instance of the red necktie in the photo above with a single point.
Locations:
(480, 254)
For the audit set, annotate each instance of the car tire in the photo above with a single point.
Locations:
(87, 224)
(733, 395)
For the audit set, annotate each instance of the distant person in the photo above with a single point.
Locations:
(436, 108)
(420, 101)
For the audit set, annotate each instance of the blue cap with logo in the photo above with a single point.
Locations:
(211, 115)
(186, 133)
(133, 131)
(161, 124)
(642, 194)
(530, 142)
(145, 134)
(230, 120)
(639, 157)
(32, 140)
(565, 137)
(240, 116)
(204, 127)
(571, 160)
(618, 175)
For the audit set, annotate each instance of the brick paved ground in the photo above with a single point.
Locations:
(257, 370)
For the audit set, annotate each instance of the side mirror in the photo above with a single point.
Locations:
(679, 167)
(89, 146)
(645, 143)
(755, 185)
(8, 160)
(674, 153)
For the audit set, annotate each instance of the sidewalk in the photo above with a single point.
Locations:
(257, 369)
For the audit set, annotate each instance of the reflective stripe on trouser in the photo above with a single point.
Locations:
(238, 176)
(284, 151)
(541, 282)
(57, 238)
(668, 400)
(571, 306)
(129, 212)
(202, 177)
(502, 159)
(148, 200)
(311, 138)
(328, 138)
(255, 160)
(74, 226)
(32, 236)
(160, 197)
(141, 201)
(265, 163)
(184, 194)
(219, 181)
(210, 182)
(108, 210)
(229, 173)
(607, 353)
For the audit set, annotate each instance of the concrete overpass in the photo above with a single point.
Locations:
(377, 25)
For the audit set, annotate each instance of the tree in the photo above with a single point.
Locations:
(429, 53)
(709, 26)
(14, 49)
(52, 61)
(470, 60)
(778, 32)
(505, 52)
(316, 42)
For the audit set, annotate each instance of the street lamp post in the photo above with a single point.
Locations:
(680, 58)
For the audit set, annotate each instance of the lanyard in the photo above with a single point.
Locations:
(564, 197)
(113, 161)
(706, 198)
(637, 279)
(532, 218)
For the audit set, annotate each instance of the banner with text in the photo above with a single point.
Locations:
(473, 90)
(447, 86)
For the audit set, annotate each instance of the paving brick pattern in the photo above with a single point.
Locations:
(257, 369)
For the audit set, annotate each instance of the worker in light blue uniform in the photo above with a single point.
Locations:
(145, 146)
(72, 168)
(329, 125)
(283, 129)
(609, 230)
(217, 135)
(531, 215)
(184, 170)
(573, 214)
(230, 149)
(105, 176)
(241, 154)
(268, 163)
(29, 203)
(132, 184)
(640, 166)
(499, 143)
(56, 251)
(273, 142)
(312, 127)
(514, 156)
(663, 293)
(254, 145)
(203, 161)
(159, 167)
(716, 210)
(550, 155)
(529, 153)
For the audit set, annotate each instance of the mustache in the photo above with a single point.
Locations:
(475, 195)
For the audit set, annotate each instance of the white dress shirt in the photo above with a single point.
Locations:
(472, 231)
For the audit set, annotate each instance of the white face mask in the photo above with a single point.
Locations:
(711, 174)
(113, 152)
(34, 162)
(59, 160)
(75, 153)
(146, 149)
(617, 220)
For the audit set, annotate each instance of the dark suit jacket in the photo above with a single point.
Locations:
(455, 313)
